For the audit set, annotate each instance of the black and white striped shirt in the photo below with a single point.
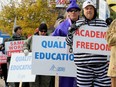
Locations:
(88, 58)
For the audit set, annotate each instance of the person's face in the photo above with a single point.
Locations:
(19, 31)
(42, 33)
(73, 14)
(89, 12)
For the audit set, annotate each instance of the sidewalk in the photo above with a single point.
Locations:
(2, 83)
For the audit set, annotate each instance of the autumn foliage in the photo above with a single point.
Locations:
(29, 14)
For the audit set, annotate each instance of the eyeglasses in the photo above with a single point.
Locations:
(74, 10)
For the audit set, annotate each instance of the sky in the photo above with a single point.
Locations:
(5, 2)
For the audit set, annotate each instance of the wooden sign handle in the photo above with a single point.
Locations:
(56, 81)
(20, 84)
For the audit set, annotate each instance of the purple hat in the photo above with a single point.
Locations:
(73, 4)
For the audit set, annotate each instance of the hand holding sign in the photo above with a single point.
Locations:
(26, 52)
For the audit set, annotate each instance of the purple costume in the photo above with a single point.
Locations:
(62, 30)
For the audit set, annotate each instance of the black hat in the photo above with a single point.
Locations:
(43, 27)
(16, 28)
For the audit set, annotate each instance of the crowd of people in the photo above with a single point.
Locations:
(91, 68)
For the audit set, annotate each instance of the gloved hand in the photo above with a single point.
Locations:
(26, 52)
(72, 29)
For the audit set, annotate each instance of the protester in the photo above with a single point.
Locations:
(4, 73)
(73, 12)
(17, 36)
(111, 40)
(41, 80)
(36, 32)
(91, 68)
(4, 65)
(59, 20)
(1, 74)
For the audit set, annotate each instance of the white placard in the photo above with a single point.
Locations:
(89, 39)
(20, 68)
(14, 47)
(1, 40)
(61, 3)
(51, 57)
(3, 58)
(57, 3)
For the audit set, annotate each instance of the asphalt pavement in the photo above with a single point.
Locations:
(2, 84)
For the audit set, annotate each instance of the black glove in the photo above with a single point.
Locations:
(71, 31)
(72, 28)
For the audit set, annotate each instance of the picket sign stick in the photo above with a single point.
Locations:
(56, 81)
(20, 85)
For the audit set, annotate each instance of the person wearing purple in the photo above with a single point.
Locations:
(73, 12)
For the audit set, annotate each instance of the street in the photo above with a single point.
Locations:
(2, 83)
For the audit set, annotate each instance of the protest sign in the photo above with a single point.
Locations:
(20, 68)
(1, 40)
(57, 3)
(3, 58)
(14, 47)
(51, 57)
(91, 39)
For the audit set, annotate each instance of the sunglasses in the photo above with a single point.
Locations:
(74, 10)
(43, 31)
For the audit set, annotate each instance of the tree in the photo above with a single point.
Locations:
(29, 15)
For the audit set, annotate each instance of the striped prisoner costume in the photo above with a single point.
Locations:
(91, 68)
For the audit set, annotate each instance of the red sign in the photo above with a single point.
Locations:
(3, 58)
(61, 1)
(91, 39)
(14, 47)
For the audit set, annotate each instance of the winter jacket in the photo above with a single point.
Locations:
(16, 37)
(111, 40)
(62, 28)
(60, 20)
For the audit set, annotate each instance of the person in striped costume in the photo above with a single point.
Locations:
(91, 68)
